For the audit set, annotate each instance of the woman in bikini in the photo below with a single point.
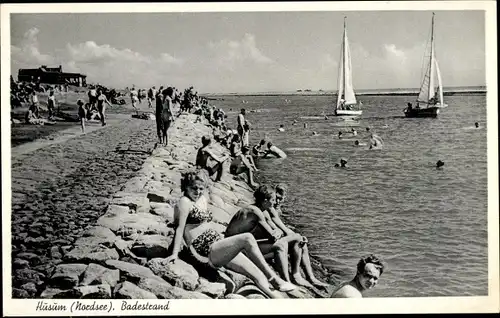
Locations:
(208, 245)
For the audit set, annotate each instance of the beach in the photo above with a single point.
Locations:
(67, 190)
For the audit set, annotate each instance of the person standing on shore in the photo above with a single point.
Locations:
(151, 96)
(163, 114)
(134, 98)
(34, 104)
(241, 124)
(101, 107)
(92, 97)
(82, 114)
(369, 270)
(51, 104)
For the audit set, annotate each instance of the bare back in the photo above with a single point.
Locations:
(246, 220)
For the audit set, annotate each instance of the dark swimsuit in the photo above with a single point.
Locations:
(203, 242)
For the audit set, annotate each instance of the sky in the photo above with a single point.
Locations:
(225, 52)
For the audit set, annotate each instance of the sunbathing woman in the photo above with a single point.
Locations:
(203, 237)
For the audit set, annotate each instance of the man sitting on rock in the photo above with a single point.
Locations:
(299, 248)
(272, 241)
(243, 162)
(203, 156)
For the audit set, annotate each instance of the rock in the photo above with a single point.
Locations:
(164, 290)
(97, 274)
(234, 296)
(152, 246)
(25, 275)
(166, 211)
(179, 273)
(19, 293)
(32, 258)
(136, 184)
(20, 263)
(134, 200)
(65, 249)
(91, 254)
(97, 235)
(67, 275)
(102, 291)
(233, 280)
(132, 272)
(127, 290)
(127, 224)
(30, 288)
(158, 191)
(214, 290)
(50, 292)
(55, 252)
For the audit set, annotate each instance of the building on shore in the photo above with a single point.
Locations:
(51, 75)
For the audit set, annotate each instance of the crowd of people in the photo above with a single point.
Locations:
(256, 242)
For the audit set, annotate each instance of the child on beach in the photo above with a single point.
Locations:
(206, 243)
(82, 114)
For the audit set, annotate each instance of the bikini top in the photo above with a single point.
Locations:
(199, 213)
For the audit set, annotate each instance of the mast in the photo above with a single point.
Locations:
(344, 56)
(431, 64)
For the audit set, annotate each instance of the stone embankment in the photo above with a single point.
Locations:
(58, 190)
(122, 255)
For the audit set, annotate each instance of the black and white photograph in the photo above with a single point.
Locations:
(162, 155)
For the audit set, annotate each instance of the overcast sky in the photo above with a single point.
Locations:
(251, 51)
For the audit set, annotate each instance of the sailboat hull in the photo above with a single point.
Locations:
(422, 112)
(346, 112)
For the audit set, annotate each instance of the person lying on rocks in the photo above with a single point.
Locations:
(203, 236)
(243, 162)
(299, 248)
(205, 154)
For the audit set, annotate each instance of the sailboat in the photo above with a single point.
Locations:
(346, 98)
(430, 97)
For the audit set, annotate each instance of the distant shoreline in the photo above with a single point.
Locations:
(449, 93)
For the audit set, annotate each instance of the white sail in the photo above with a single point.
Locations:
(345, 88)
(340, 81)
(350, 98)
(440, 84)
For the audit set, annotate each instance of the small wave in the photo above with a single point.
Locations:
(312, 117)
(305, 149)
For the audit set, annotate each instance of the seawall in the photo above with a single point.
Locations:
(101, 263)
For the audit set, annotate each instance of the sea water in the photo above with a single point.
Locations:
(429, 225)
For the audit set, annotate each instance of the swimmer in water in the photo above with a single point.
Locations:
(439, 164)
(281, 129)
(375, 141)
(367, 128)
(340, 135)
(294, 122)
(275, 151)
(354, 132)
(343, 164)
(305, 125)
(369, 270)
(476, 124)
(326, 117)
(315, 133)
(357, 143)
